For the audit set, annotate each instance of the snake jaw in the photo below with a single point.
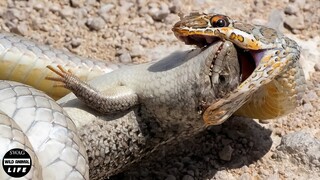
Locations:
(269, 66)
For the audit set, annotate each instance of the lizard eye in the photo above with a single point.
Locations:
(219, 21)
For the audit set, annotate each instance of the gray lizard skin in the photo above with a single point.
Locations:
(171, 95)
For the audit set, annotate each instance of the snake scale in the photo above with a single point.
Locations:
(123, 115)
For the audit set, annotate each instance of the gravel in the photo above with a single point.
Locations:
(139, 31)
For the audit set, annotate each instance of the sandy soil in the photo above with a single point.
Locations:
(135, 31)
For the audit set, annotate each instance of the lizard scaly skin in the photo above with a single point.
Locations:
(275, 86)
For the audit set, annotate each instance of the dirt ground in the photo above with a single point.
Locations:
(135, 31)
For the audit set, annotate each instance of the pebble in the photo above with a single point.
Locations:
(308, 107)
(226, 141)
(159, 14)
(300, 3)
(187, 177)
(245, 176)
(312, 95)
(76, 3)
(96, 23)
(301, 143)
(317, 67)
(137, 50)
(226, 153)
(276, 20)
(291, 9)
(171, 19)
(190, 172)
(274, 176)
(170, 177)
(66, 12)
(12, 14)
(105, 9)
(39, 5)
(125, 58)
(75, 42)
(54, 8)
(175, 6)
(295, 22)
(21, 29)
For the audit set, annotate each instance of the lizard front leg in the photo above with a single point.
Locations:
(114, 99)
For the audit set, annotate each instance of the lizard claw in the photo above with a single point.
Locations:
(62, 73)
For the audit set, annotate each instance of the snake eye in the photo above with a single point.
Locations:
(219, 21)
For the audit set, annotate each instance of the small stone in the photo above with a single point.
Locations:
(226, 141)
(274, 176)
(307, 107)
(105, 9)
(300, 3)
(55, 8)
(191, 173)
(317, 67)
(75, 43)
(10, 25)
(137, 50)
(175, 6)
(291, 9)
(12, 14)
(66, 12)
(186, 160)
(170, 177)
(312, 95)
(171, 19)
(226, 153)
(76, 3)
(149, 19)
(21, 29)
(302, 143)
(187, 177)
(125, 58)
(96, 23)
(276, 20)
(39, 5)
(245, 176)
(295, 22)
(159, 14)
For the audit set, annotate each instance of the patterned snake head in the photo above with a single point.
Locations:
(272, 79)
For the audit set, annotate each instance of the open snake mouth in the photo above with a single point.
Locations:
(248, 59)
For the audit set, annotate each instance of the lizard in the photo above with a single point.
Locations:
(272, 80)
(171, 95)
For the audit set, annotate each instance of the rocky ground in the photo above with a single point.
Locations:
(135, 31)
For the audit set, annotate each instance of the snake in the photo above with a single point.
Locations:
(272, 84)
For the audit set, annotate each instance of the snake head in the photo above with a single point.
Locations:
(203, 29)
(190, 29)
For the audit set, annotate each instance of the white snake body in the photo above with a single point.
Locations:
(40, 121)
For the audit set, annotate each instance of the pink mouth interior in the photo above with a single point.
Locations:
(257, 56)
